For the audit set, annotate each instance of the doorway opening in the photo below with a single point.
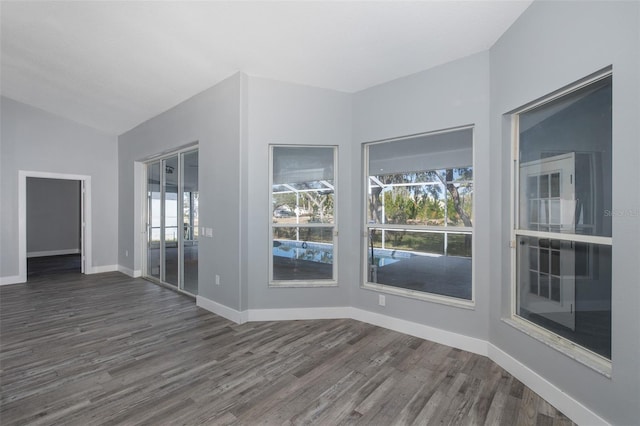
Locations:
(54, 223)
(54, 243)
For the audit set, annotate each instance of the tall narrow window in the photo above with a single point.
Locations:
(563, 215)
(419, 223)
(303, 219)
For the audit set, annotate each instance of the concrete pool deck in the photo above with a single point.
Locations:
(444, 275)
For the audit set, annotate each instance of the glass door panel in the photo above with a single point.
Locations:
(171, 229)
(190, 220)
(154, 220)
(172, 221)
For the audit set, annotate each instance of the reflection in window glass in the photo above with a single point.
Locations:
(301, 253)
(303, 218)
(565, 287)
(564, 174)
(565, 162)
(419, 213)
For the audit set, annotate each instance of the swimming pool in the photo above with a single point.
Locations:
(323, 252)
(303, 250)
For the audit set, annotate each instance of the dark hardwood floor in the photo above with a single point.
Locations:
(108, 349)
(40, 267)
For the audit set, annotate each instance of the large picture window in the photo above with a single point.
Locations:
(303, 207)
(562, 217)
(419, 215)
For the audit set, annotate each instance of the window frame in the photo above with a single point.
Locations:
(334, 225)
(364, 246)
(562, 344)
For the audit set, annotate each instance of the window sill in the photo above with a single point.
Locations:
(428, 297)
(577, 353)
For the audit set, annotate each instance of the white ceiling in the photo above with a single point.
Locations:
(113, 65)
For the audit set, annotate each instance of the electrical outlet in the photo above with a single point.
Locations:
(217, 279)
(126, 253)
(382, 300)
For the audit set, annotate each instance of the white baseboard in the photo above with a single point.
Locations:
(52, 253)
(239, 317)
(101, 269)
(14, 279)
(129, 272)
(449, 338)
(573, 409)
(298, 314)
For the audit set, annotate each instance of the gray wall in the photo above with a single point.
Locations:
(283, 113)
(450, 95)
(211, 118)
(554, 44)
(53, 215)
(34, 140)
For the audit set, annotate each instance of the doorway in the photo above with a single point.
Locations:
(84, 187)
(172, 201)
(54, 243)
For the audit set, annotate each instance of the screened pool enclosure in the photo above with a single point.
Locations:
(419, 214)
(303, 225)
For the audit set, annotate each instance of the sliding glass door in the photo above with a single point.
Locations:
(190, 220)
(154, 222)
(172, 220)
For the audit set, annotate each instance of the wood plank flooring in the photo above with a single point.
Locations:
(49, 265)
(107, 349)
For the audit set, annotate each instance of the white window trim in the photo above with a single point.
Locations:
(572, 350)
(305, 283)
(413, 294)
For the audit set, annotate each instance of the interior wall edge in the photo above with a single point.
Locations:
(292, 314)
(239, 317)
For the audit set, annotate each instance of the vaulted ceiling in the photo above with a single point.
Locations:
(113, 65)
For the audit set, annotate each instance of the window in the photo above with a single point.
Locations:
(419, 216)
(563, 212)
(303, 224)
